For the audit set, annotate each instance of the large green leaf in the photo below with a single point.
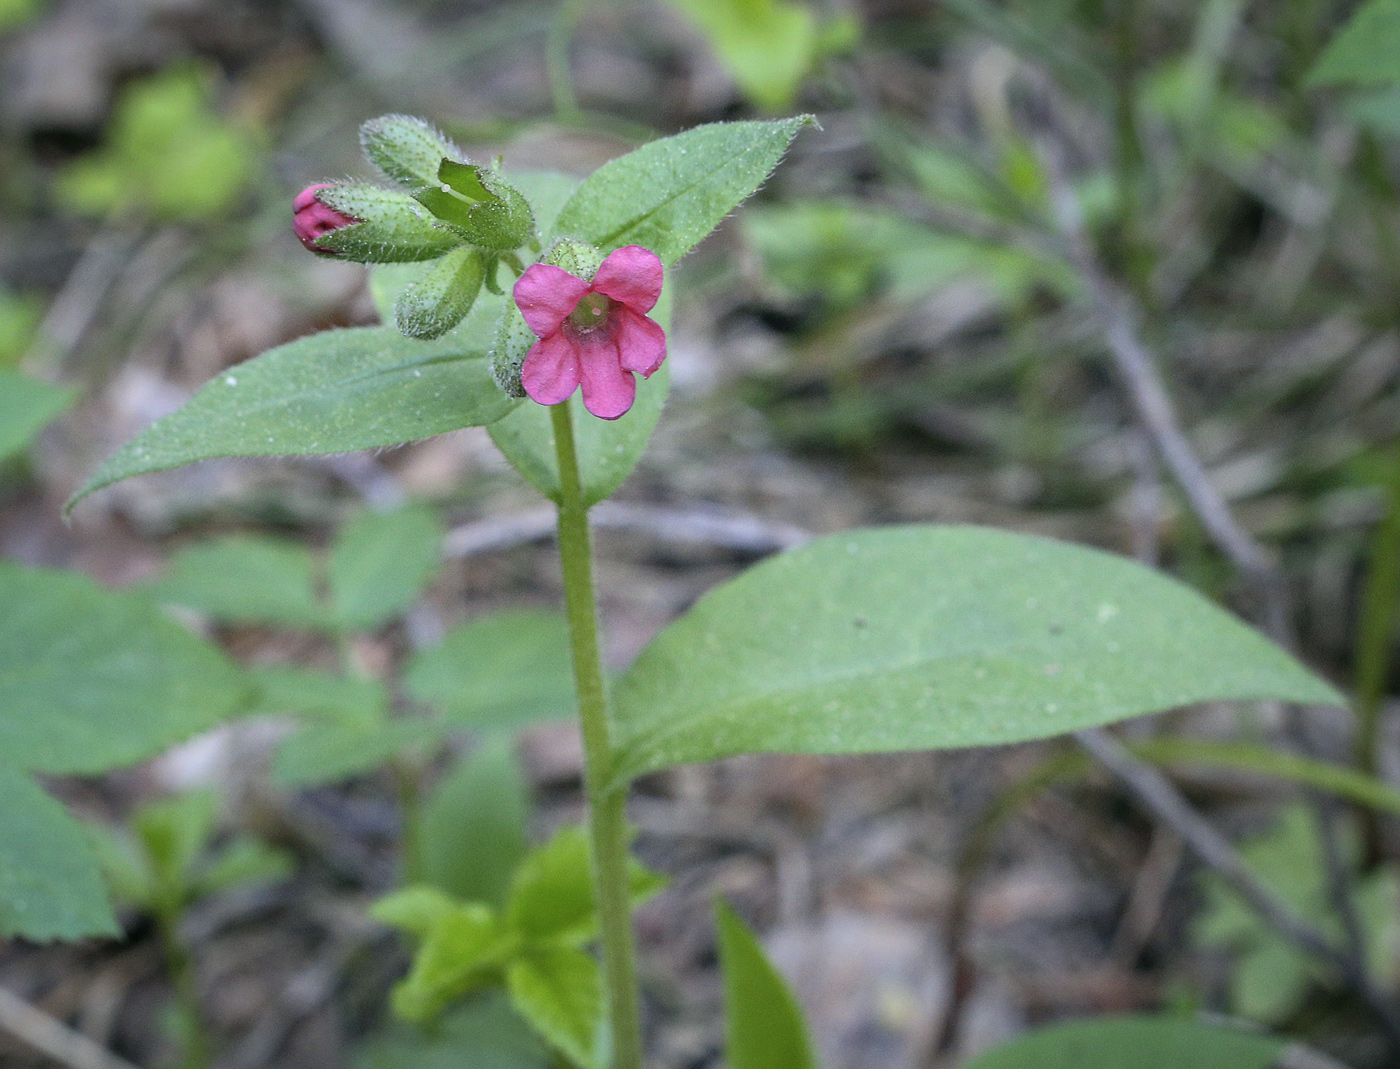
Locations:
(50, 881)
(1366, 51)
(764, 1024)
(26, 405)
(559, 991)
(332, 392)
(381, 562)
(244, 579)
(473, 829)
(922, 637)
(670, 193)
(484, 1034)
(91, 678)
(1135, 1042)
(505, 670)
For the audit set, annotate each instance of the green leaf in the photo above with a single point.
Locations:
(326, 753)
(1135, 1042)
(381, 562)
(923, 637)
(764, 1027)
(320, 697)
(1366, 51)
(416, 909)
(332, 392)
(505, 670)
(670, 193)
(244, 861)
(26, 407)
(244, 579)
(608, 450)
(559, 991)
(472, 830)
(768, 45)
(124, 864)
(92, 679)
(174, 833)
(50, 880)
(484, 1034)
(464, 950)
(551, 896)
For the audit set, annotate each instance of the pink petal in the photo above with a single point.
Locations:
(546, 295)
(631, 275)
(608, 391)
(551, 370)
(641, 343)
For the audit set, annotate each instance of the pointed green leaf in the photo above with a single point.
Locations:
(244, 579)
(504, 670)
(924, 637)
(50, 880)
(464, 950)
(764, 1027)
(669, 194)
(1366, 51)
(1135, 1042)
(472, 830)
(416, 909)
(26, 407)
(92, 679)
(332, 392)
(559, 991)
(381, 562)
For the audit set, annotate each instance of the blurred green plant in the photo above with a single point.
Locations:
(770, 46)
(15, 13)
(1270, 976)
(169, 156)
(27, 406)
(20, 315)
(164, 861)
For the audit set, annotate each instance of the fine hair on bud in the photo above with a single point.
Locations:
(435, 303)
(513, 341)
(407, 150)
(579, 258)
(393, 227)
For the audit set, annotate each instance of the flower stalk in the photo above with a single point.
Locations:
(607, 817)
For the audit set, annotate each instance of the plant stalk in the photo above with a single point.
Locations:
(607, 818)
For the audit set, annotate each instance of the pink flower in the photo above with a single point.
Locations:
(592, 333)
(311, 219)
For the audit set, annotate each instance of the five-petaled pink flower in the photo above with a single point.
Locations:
(595, 334)
(311, 219)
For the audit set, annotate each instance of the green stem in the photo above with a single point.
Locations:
(197, 1052)
(1379, 603)
(561, 81)
(607, 818)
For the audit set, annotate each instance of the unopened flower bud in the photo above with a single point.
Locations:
(389, 227)
(311, 219)
(432, 305)
(407, 150)
(480, 205)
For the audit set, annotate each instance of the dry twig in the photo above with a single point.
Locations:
(54, 1038)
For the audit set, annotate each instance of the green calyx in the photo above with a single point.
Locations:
(480, 205)
(393, 227)
(435, 303)
(576, 257)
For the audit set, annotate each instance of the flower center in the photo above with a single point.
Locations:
(591, 313)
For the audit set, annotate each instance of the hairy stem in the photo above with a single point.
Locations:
(607, 821)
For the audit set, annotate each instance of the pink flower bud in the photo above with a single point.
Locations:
(311, 219)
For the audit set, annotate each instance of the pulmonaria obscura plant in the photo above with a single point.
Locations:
(508, 291)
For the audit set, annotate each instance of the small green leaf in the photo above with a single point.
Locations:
(50, 879)
(381, 562)
(327, 753)
(416, 909)
(1135, 1042)
(174, 833)
(124, 864)
(768, 45)
(26, 407)
(242, 862)
(463, 951)
(551, 896)
(905, 638)
(669, 194)
(484, 1034)
(1366, 51)
(505, 670)
(320, 697)
(559, 991)
(764, 1027)
(472, 830)
(332, 392)
(244, 579)
(433, 304)
(92, 679)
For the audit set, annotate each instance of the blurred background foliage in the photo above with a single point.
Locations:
(899, 328)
